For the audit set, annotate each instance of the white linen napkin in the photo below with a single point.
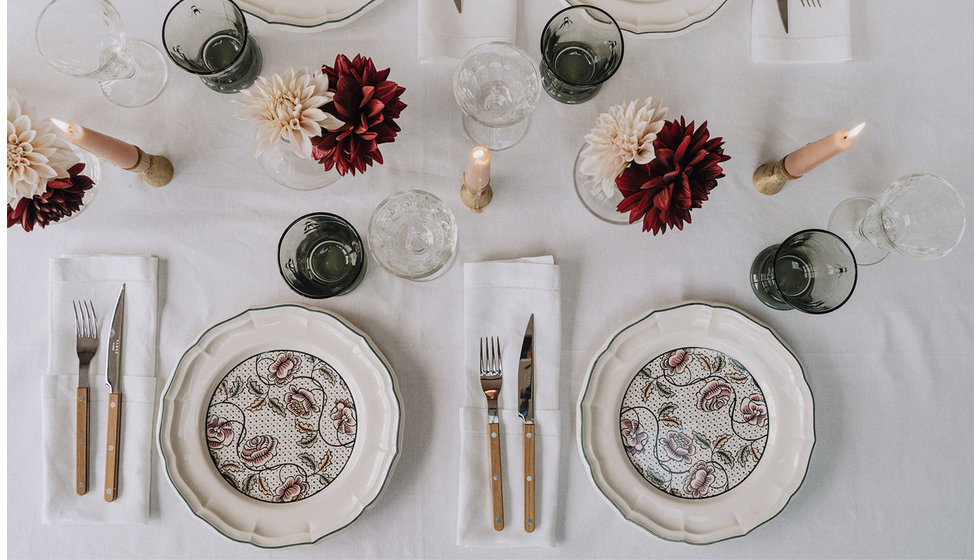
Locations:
(446, 35)
(99, 278)
(816, 34)
(498, 299)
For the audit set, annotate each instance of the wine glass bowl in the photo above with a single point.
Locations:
(497, 86)
(412, 234)
(920, 216)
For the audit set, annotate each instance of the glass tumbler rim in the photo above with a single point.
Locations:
(578, 7)
(67, 70)
(238, 57)
(785, 244)
(329, 216)
(513, 47)
(373, 226)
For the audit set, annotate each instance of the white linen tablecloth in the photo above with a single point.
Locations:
(891, 371)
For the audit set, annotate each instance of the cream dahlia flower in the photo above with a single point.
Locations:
(36, 152)
(288, 107)
(622, 136)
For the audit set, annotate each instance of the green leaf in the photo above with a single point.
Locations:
(726, 457)
(308, 460)
(743, 455)
(328, 373)
(307, 440)
(236, 388)
(720, 363)
(664, 390)
(249, 482)
(654, 479)
(325, 480)
(276, 407)
(253, 387)
(666, 409)
(702, 440)
(231, 480)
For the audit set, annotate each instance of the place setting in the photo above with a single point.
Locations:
(572, 369)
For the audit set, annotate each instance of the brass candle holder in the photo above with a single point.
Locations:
(154, 170)
(770, 177)
(475, 198)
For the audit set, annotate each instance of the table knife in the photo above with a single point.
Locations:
(113, 366)
(783, 13)
(525, 408)
(459, 6)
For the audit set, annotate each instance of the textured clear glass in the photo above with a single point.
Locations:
(592, 195)
(412, 234)
(497, 86)
(581, 47)
(85, 39)
(920, 216)
(321, 255)
(812, 271)
(210, 38)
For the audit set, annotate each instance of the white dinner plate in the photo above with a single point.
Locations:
(696, 423)
(307, 15)
(657, 17)
(281, 425)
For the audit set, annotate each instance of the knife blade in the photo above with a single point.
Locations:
(783, 13)
(459, 6)
(525, 409)
(112, 371)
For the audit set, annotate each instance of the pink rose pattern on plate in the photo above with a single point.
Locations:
(694, 423)
(281, 426)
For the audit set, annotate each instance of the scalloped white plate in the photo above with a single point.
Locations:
(183, 417)
(781, 468)
(664, 17)
(307, 15)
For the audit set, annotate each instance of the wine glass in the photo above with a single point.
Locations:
(812, 271)
(581, 48)
(412, 234)
(85, 39)
(497, 86)
(210, 38)
(920, 216)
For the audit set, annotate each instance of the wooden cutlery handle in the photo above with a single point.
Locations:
(529, 477)
(81, 440)
(496, 490)
(112, 446)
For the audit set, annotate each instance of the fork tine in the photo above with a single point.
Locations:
(78, 320)
(483, 367)
(499, 363)
(93, 323)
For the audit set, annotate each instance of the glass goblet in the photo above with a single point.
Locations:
(321, 255)
(85, 39)
(581, 47)
(412, 234)
(920, 216)
(813, 271)
(210, 38)
(497, 86)
(593, 196)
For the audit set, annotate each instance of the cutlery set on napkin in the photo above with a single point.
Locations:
(801, 31)
(513, 404)
(103, 314)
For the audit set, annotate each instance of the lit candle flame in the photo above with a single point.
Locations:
(480, 155)
(65, 127)
(854, 131)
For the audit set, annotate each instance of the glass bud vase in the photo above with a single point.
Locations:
(596, 200)
(290, 170)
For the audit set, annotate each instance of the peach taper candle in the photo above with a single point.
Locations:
(476, 192)
(154, 170)
(770, 177)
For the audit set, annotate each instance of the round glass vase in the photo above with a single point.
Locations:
(594, 198)
(93, 170)
(290, 170)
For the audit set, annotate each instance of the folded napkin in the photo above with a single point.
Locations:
(498, 299)
(445, 35)
(816, 34)
(99, 278)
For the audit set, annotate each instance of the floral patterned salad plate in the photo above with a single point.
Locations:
(307, 15)
(281, 425)
(657, 17)
(696, 423)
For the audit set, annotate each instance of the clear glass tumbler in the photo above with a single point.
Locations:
(321, 255)
(210, 38)
(920, 216)
(812, 271)
(497, 86)
(581, 48)
(85, 39)
(412, 234)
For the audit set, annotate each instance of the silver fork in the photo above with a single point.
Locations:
(491, 380)
(86, 344)
(811, 3)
